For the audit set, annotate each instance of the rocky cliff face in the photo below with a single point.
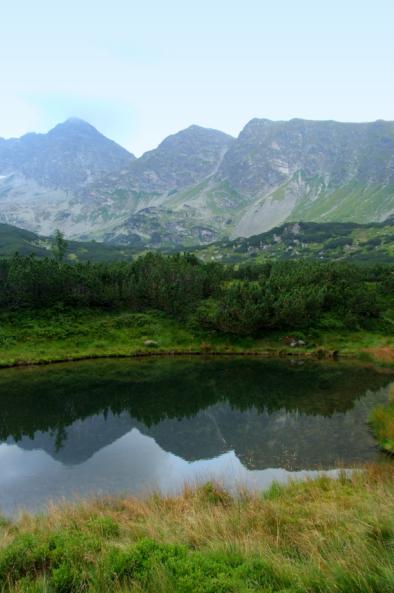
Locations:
(198, 185)
(305, 170)
(268, 153)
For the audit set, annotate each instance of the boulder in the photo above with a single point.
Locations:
(151, 343)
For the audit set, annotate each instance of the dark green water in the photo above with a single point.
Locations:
(134, 426)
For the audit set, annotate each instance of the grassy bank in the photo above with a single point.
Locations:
(316, 536)
(57, 334)
(382, 424)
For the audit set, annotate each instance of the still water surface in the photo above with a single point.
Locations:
(135, 426)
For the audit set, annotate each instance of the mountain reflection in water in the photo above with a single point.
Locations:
(115, 426)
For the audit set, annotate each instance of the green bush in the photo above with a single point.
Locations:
(27, 555)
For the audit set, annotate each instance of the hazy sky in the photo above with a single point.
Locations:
(139, 71)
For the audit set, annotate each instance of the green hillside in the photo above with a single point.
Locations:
(15, 240)
(329, 241)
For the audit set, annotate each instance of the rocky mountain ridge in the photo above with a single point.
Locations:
(199, 185)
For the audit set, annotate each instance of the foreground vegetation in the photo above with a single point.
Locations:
(320, 536)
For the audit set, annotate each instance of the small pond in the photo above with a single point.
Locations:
(116, 426)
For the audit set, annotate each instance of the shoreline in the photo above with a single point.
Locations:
(280, 354)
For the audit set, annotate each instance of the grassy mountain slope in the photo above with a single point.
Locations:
(324, 241)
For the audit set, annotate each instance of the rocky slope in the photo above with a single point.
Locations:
(198, 185)
(181, 160)
(305, 170)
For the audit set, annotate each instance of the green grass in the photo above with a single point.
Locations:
(56, 334)
(350, 202)
(317, 536)
(382, 424)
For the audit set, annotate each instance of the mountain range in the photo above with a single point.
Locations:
(199, 185)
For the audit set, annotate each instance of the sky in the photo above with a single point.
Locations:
(139, 71)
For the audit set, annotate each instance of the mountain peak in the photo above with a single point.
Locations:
(67, 158)
(203, 131)
(204, 137)
(197, 128)
(74, 124)
(76, 121)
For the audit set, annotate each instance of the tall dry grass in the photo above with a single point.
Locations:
(334, 535)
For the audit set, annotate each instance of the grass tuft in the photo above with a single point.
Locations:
(382, 423)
